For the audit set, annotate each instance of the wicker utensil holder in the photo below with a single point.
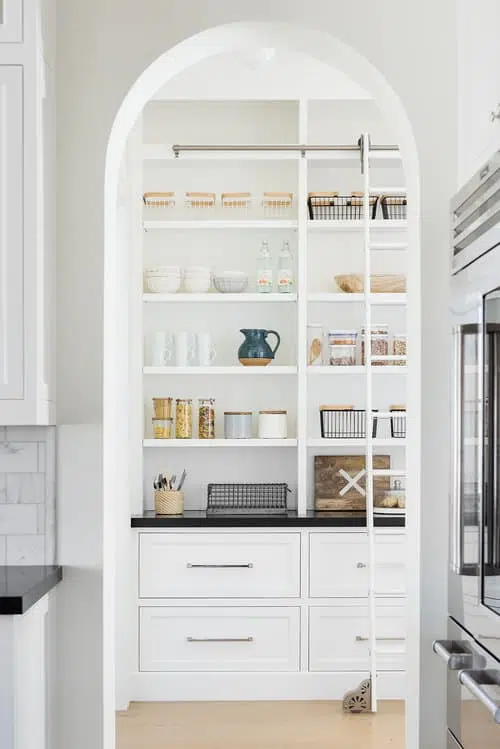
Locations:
(169, 502)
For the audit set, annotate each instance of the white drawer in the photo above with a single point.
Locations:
(338, 638)
(219, 565)
(219, 639)
(339, 565)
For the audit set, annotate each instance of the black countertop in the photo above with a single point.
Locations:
(22, 586)
(200, 519)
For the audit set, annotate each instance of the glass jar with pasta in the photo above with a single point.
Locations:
(206, 418)
(184, 418)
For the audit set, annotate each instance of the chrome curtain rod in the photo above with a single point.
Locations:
(177, 149)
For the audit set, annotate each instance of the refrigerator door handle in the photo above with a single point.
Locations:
(474, 681)
(454, 654)
(456, 505)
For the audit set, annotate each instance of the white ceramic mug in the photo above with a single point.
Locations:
(161, 348)
(206, 349)
(184, 349)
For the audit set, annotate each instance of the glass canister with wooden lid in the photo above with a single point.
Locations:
(238, 425)
(162, 408)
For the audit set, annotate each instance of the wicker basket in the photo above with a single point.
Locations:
(159, 199)
(169, 502)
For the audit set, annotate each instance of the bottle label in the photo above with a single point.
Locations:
(264, 280)
(285, 281)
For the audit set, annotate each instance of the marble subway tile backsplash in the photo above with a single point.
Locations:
(27, 495)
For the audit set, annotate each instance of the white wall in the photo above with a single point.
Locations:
(478, 51)
(79, 596)
(103, 46)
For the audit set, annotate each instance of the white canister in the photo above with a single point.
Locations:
(273, 425)
(238, 425)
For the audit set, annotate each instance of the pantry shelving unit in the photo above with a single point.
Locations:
(321, 249)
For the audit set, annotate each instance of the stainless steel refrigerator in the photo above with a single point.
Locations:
(471, 647)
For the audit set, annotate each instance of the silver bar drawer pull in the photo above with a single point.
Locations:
(474, 681)
(454, 653)
(360, 638)
(361, 565)
(219, 639)
(247, 566)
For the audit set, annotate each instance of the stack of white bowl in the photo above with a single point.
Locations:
(164, 279)
(197, 279)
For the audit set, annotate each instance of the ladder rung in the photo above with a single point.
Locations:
(388, 246)
(386, 472)
(389, 357)
(388, 191)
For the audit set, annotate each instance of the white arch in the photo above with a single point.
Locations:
(226, 39)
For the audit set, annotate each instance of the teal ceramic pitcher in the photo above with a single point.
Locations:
(255, 350)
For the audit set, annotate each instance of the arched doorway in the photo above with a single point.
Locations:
(227, 39)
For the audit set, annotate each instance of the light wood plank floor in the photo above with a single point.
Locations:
(258, 725)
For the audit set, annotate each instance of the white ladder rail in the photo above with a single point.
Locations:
(370, 526)
(302, 313)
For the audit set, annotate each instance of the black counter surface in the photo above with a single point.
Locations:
(200, 519)
(22, 586)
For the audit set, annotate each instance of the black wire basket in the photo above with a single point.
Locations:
(334, 207)
(398, 424)
(247, 499)
(394, 207)
(338, 423)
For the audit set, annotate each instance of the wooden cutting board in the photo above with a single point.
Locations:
(340, 481)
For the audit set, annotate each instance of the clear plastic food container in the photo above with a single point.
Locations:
(399, 348)
(342, 355)
(342, 337)
(379, 336)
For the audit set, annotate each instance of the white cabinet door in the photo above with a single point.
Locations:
(339, 638)
(23, 672)
(11, 234)
(219, 639)
(30, 673)
(339, 565)
(219, 565)
(11, 21)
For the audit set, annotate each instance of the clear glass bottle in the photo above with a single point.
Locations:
(184, 418)
(206, 418)
(265, 269)
(285, 269)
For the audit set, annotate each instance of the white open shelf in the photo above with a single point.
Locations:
(329, 159)
(212, 298)
(328, 371)
(207, 224)
(324, 442)
(237, 370)
(343, 298)
(244, 443)
(357, 225)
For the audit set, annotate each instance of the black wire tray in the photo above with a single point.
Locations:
(247, 499)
